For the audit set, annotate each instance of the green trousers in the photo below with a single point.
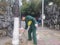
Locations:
(33, 31)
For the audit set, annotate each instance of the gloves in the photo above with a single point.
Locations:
(22, 30)
(36, 25)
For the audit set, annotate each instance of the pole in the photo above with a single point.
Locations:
(20, 17)
(20, 4)
(42, 13)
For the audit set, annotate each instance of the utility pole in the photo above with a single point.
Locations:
(42, 13)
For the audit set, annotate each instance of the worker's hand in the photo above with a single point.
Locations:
(22, 30)
(36, 25)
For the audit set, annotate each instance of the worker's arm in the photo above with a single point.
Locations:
(29, 24)
(26, 26)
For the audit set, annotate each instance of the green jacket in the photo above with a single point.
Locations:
(30, 18)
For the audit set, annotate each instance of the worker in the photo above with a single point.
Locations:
(31, 23)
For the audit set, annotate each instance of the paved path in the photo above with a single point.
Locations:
(46, 37)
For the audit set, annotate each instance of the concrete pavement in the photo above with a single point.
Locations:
(46, 37)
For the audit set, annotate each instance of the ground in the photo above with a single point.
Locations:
(49, 37)
(46, 37)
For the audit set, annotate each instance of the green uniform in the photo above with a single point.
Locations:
(32, 28)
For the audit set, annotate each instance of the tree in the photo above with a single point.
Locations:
(3, 5)
(33, 7)
(55, 1)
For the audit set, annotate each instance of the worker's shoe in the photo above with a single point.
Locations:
(29, 39)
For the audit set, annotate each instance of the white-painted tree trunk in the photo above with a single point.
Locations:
(15, 40)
